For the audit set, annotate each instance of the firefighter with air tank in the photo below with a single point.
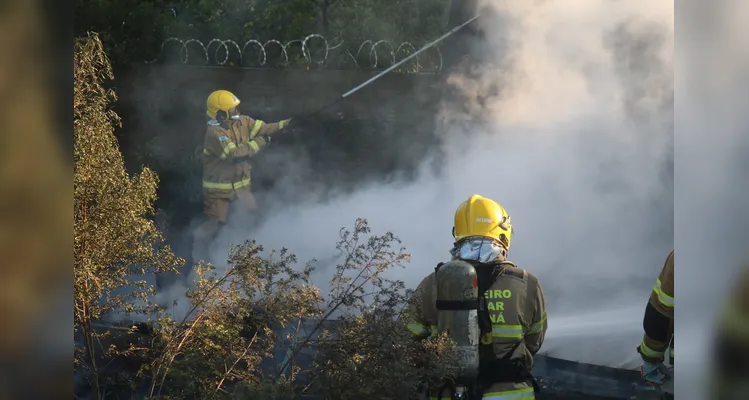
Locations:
(231, 139)
(491, 308)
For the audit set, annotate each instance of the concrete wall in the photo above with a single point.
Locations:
(272, 93)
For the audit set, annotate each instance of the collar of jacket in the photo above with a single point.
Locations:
(213, 122)
(477, 264)
(489, 265)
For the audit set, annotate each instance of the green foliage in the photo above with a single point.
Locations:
(241, 20)
(373, 355)
(236, 316)
(134, 30)
(370, 353)
(358, 343)
(114, 237)
(231, 325)
(131, 30)
(115, 241)
(415, 21)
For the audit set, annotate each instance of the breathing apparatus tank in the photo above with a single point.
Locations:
(457, 303)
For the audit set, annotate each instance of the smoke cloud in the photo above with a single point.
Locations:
(567, 121)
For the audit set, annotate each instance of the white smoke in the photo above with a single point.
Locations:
(572, 134)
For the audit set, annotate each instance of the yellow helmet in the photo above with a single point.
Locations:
(482, 217)
(222, 100)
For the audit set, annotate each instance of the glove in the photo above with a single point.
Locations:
(296, 122)
(655, 374)
(286, 123)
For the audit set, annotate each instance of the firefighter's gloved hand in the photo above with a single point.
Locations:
(295, 123)
(655, 374)
(287, 123)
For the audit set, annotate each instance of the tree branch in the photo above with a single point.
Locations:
(246, 349)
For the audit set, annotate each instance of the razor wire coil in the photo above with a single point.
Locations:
(220, 52)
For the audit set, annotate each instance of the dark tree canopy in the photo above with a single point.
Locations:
(132, 31)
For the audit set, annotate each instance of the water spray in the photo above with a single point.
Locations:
(389, 69)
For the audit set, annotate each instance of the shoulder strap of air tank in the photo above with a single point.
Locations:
(506, 262)
(438, 267)
(485, 323)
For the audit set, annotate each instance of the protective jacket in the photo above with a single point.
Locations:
(227, 150)
(658, 322)
(516, 312)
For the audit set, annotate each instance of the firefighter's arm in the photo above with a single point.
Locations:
(414, 317)
(659, 313)
(261, 128)
(220, 145)
(255, 145)
(534, 339)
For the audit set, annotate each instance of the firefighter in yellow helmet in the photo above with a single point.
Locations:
(509, 303)
(730, 351)
(658, 324)
(231, 139)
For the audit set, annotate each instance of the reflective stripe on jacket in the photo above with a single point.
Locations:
(227, 149)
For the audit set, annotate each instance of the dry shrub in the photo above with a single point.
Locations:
(358, 343)
(115, 239)
(352, 343)
(232, 327)
(374, 356)
(370, 353)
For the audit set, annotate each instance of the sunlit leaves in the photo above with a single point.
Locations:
(115, 241)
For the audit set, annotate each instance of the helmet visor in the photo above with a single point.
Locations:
(479, 249)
